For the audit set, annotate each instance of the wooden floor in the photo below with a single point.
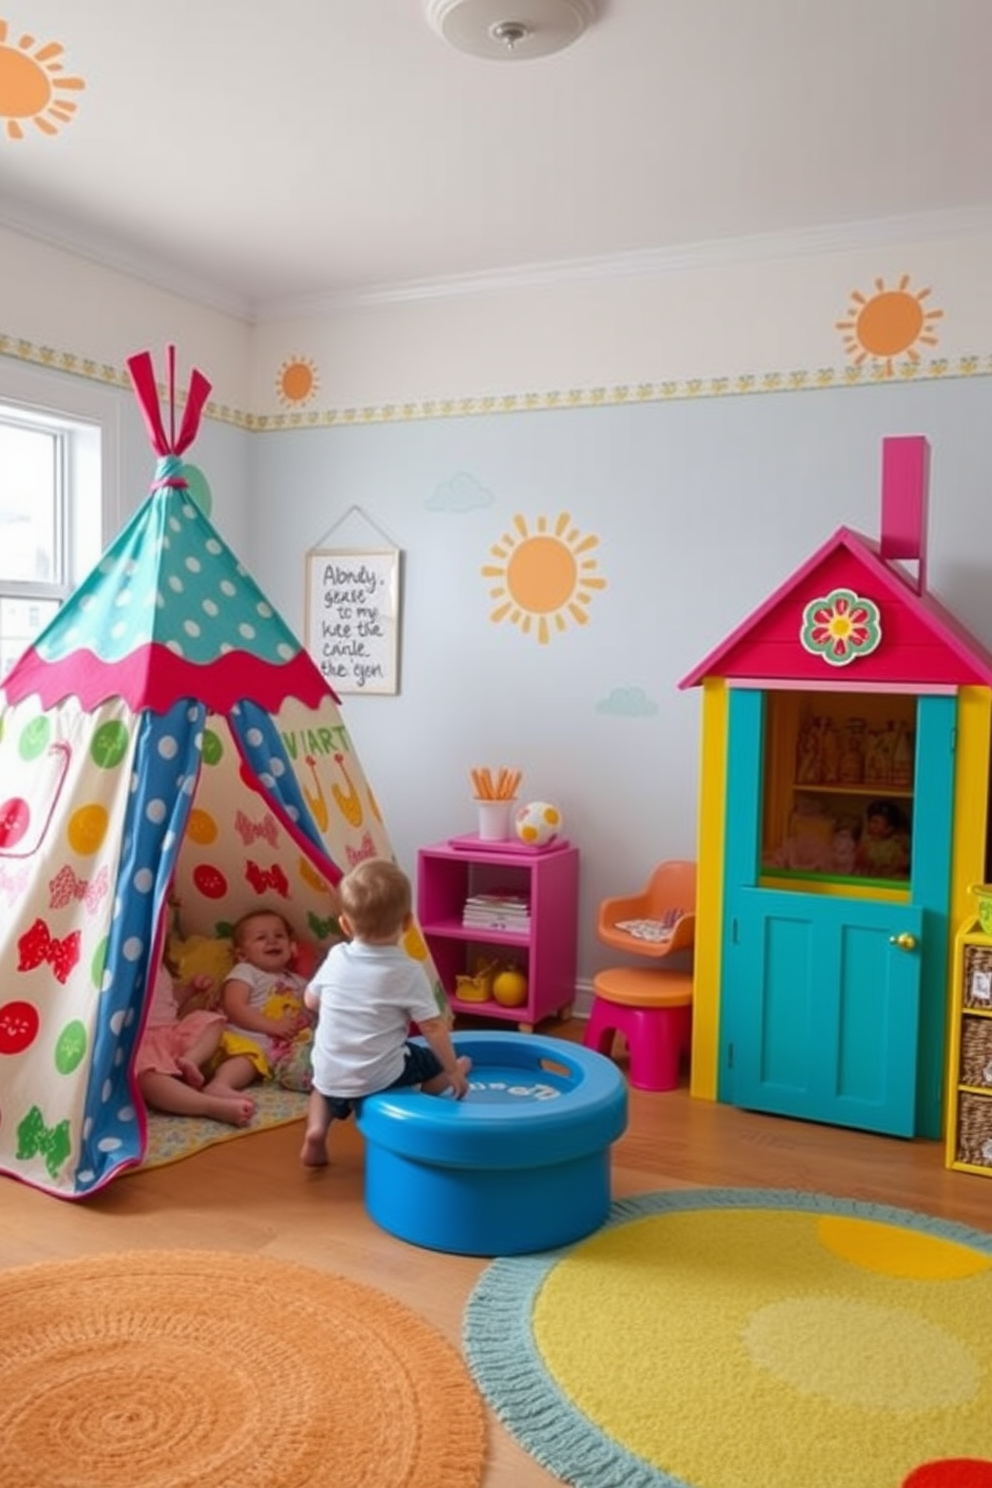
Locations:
(251, 1195)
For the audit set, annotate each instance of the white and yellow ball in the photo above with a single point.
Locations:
(538, 823)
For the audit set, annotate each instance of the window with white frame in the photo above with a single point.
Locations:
(54, 509)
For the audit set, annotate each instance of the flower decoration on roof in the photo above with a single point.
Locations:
(840, 627)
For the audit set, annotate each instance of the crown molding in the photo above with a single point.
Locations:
(649, 263)
(121, 258)
(722, 253)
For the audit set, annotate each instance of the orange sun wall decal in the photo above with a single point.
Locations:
(31, 85)
(888, 324)
(543, 578)
(296, 381)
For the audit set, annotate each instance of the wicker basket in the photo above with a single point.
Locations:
(976, 1052)
(977, 991)
(975, 1130)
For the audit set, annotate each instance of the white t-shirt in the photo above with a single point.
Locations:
(261, 986)
(369, 996)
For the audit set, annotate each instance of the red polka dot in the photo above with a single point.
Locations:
(15, 814)
(250, 779)
(19, 1024)
(951, 1472)
(210, 881)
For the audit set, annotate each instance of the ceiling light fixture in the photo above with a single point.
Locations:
(510, 30)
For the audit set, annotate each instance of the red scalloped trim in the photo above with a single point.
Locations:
(155, 677)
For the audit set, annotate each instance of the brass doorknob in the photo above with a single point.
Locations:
(905, 941)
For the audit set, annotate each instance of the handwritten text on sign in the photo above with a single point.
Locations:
(352, 617)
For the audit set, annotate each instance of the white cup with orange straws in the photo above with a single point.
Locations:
(495, 796)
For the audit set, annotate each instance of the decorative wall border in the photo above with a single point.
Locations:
(90, 370)
(671, 390)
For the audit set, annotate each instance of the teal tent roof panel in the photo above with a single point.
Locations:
(169, 579)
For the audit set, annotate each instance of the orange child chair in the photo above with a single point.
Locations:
(650, 1006)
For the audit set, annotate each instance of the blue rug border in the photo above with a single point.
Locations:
(498, 1344)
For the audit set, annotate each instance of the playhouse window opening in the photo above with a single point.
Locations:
(839, 785)
(50, 519)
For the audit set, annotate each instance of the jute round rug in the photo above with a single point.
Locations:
(176, 1369)
(735, 1338)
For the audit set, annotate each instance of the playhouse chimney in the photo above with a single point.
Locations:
(905, 490)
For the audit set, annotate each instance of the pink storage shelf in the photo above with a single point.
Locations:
(449, 872)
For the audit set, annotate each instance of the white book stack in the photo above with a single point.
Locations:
(497, 909)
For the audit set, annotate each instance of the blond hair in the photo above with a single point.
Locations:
(377, 898)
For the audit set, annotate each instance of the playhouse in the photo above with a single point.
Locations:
(844, 806)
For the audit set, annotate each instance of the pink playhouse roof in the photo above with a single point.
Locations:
(922, 643)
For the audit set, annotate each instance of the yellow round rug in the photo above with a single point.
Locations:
(179, 1369)
(732, 1338)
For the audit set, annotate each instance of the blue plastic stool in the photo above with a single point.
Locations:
(521, 1164)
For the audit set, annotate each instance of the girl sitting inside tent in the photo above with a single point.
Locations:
(177, 1051)
(269, 1029)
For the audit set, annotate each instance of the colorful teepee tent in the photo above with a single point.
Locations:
(167, 730)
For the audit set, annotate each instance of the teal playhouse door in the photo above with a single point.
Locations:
(827, 1009)
(823, 989)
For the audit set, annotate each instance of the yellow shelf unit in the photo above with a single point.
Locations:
(969, 1045)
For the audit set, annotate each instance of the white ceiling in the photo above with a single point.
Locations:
(270, 158)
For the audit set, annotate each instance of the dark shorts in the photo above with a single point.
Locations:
(421, 1064)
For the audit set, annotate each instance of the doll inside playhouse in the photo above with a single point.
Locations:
(839, 777)
(845, 842)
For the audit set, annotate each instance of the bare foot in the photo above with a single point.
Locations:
(190, 1073)
(221, 1087)
(314, 1152)
(464, 1063)
(236, 1110)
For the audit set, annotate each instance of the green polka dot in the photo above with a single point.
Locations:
(34, 738)
(198, 487)
(98, 963)
(213, 749)
(70, 1048)
(109, 745)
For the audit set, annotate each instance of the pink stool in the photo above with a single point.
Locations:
(653, 1011)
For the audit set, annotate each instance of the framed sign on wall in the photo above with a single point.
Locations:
(352, 615)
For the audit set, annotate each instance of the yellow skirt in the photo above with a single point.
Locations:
(232, 1044)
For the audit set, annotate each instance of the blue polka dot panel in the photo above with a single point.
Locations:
(170, 758)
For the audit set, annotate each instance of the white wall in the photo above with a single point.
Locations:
(759, 309)
(709, 427)
(63, 311)
(701, 509)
